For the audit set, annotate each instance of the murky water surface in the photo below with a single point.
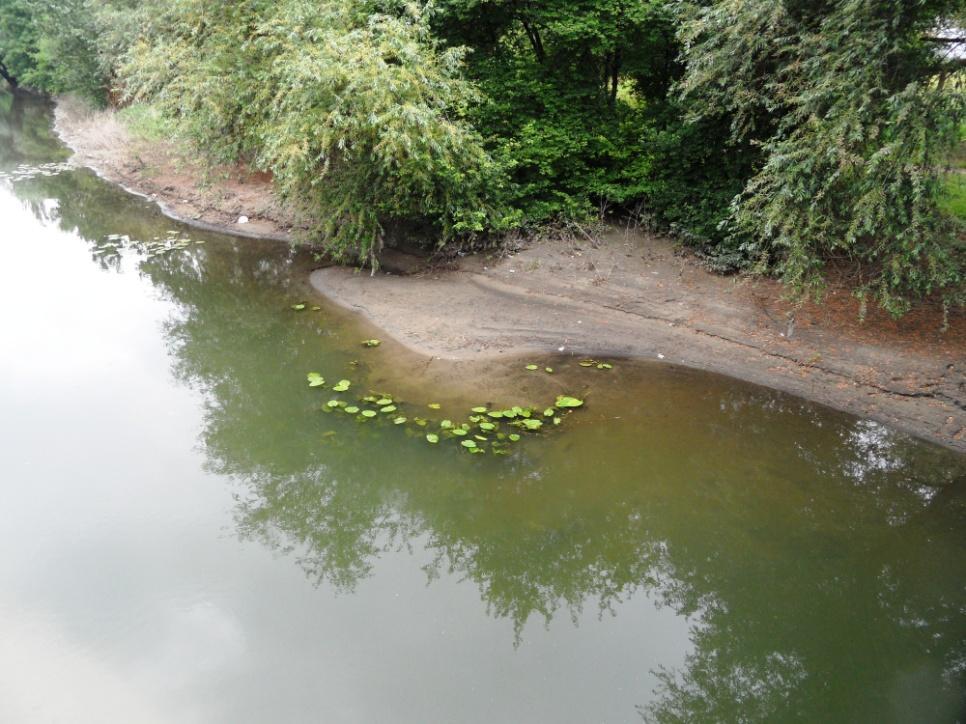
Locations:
(186, 538)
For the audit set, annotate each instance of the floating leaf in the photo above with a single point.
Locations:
(532, 368)
(384, 401)
(342, 386)
(432, 437)
(605, 366)
(557, 421)
(549, 412)
(587, 363)
(333, 403)
(315, 379)
(400, 421)
(495, 414)
(468, 443)
(564, 402)
(446, 424)
(475, 418)
(434, 406)
(533, 424)
(509, 413)
(389, 408)
(368, 413)
(487, 426)
(479, 410)
(352, 409)
(481, 438)
(298, 307)
(459, 431)
(513, 437)
(548, 370)
(314, 309)
(371, 343)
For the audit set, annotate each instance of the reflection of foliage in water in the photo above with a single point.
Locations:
(820, 567)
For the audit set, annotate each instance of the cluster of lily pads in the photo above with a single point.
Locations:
(485, 428)
(27, 171)
(150, 248)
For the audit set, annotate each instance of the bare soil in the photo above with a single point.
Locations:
(625, 294)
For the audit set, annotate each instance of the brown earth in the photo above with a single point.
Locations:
(624, 294)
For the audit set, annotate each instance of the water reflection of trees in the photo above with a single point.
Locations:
(827, 584)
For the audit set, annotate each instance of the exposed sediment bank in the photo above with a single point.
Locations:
(625, 294)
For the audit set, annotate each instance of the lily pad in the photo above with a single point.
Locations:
(605, 366)
(298, 307)
(371, 343)
(549, 412)
(513, 437)
(342, 386)
(333, 403)
(469, 444)
(533, 425)
(479, 410)
(389, 408)
(384, 401)
(352, 409)
(496, 414)
(459, 432)
(315, 379)
(587, 363)
(487, 426)
(532, 368)
(432, 438)
(564, 401)
(367, 413)
(434, 406)
(400, 420)
(446, 424)
(548, 370)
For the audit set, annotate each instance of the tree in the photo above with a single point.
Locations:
(358, 115)
(856, 106)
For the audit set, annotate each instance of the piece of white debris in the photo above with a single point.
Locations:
(561, 349)
(242, 219)
(660, 356)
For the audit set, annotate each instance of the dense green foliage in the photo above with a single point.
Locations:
(857, 109)
(794, 136)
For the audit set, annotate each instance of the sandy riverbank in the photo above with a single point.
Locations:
(625, 294)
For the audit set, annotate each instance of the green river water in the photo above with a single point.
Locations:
(186, 537)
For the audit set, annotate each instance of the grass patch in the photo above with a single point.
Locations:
(146, 121)
(954, 195)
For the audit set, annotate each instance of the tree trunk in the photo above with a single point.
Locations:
(7, 76)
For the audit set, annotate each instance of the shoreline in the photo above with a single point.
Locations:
(627, 294)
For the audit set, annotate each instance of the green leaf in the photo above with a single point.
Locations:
(352, 409)
(389, 408)
(549, 412)
(315, 379)
(487, 426)
(533, 424)
(564, 402)
(532, 368)
(468, 444)
(298, 307)
(384, 401)
(434, 406)
(432, 438)
(369, 413)
(513, 437)
(371, 343)
(400, 421)
(342, 386)
(479, 410)
(446, 424)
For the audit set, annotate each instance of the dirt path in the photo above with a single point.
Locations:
(626, 294)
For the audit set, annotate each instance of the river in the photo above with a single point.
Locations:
(188, 537)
